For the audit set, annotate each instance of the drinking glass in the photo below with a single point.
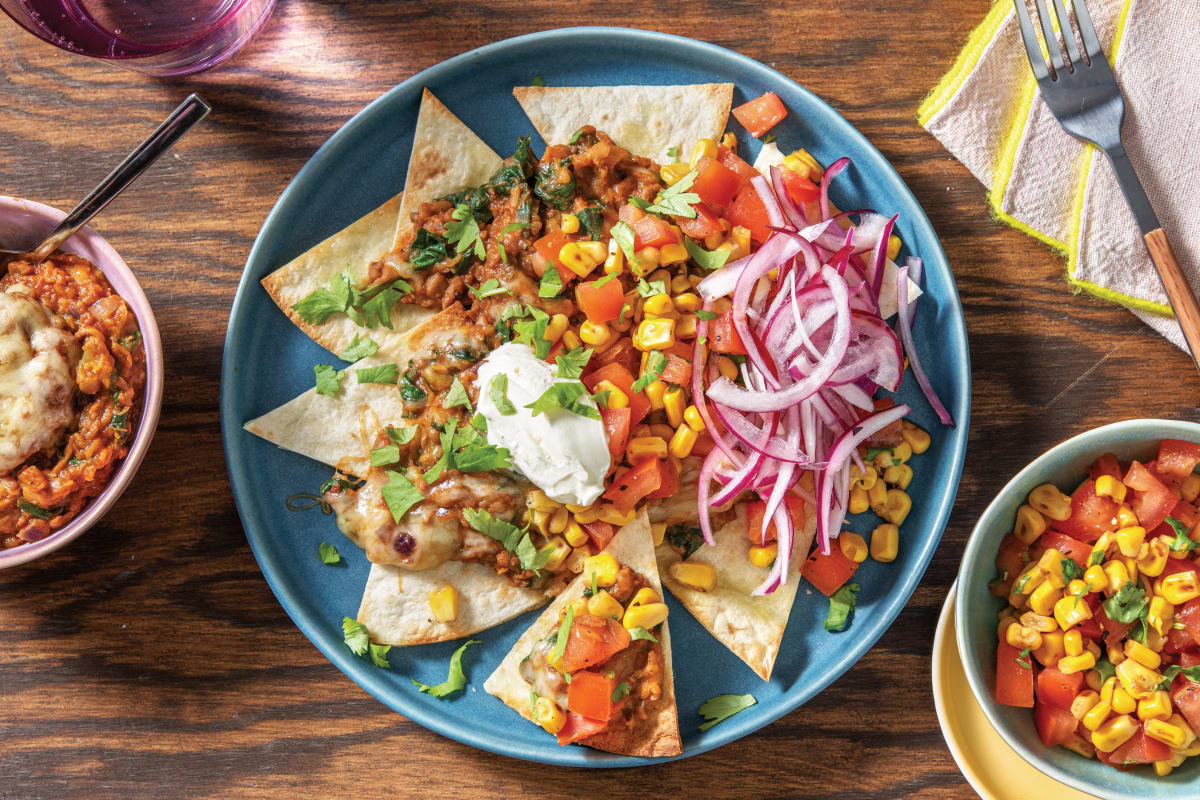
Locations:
(157, 37)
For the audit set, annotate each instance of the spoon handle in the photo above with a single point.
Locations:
(189, 112)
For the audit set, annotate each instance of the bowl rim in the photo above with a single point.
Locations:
(1156, 429)
(110, 263)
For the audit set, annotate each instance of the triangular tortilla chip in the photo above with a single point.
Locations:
(646, 120)
(395, 603)
(658, 734)
(751, 627)
(353, 248)
(329, 429)
(446, 157)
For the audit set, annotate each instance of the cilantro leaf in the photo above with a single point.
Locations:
(455, 681)
(1105, 668)
(457, 396)
(706, 259)
(378, 310)
(619, 692)
(322, 303)
(464, 232)
(1126, 605)
(538, 80)
(575, 136)
(551, 284)
(564, 396)
(329, 380)
(623, 235)
(359, 349)
(656, 362)
(560, 638)
(641, 633)
(328, 553)
(707, 316)
(723, 706)
(400, 495)
(498, 393)
(672, 152)
(355, 635)
(647, 288)
(480, 457)
(1182, 542)
(841, 603)
(549, 188)
(591, 221)
(512, 538)
(384, 373)
(426, 250)
(378, 653)
(489, 288)
(532, 558)
(1071, 569)
(1191, 673)
(382, 456)
(1022, 658)
(571, 363)
(676, 200)
(401, 435)
(533, 331)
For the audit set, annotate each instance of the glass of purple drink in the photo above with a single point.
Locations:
(157, 37)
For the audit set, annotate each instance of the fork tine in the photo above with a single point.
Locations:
(1055, 51)
(1086, 31)
(1064, 24)
(1029, 36)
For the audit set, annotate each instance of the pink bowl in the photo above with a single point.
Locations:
(22, 221)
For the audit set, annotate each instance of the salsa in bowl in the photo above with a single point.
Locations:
(80, 385)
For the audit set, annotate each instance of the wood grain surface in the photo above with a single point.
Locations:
(150, 659)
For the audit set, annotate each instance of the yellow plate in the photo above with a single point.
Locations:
(992, 768)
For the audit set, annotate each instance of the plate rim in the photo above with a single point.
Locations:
(732, 730)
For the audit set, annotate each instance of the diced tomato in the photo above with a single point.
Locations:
(1141, 749)
(1107, 758)
(748, 211)
(828, 572)
(579, 727)
(722, 337)
(1177, 457)
(889, 435)
(1177, 640)
(630, 486)
(1114, 631)
(1106, 464)
(600, 532)
(1058, 688)
(669, 486)
(1151, 500)
(716, 184)
(704, 225)
(1091, 514)
(1189, 658)
(678, 371)
(600, 300)
(1014, 683)
(1189, 615)
(619, 376)
(1055, 725)
(590, 694)
(593, 640)
(1068, 546)
(734, 162)
(650, 231)
(1185, 513)
(761, 114)
(630, 214)
(1185, 696)
(616, 431)
(799, 188)
(755, 510)
(546, 249)
(1177, 565)
(622, 352)
(704, 445)
(1011, 558)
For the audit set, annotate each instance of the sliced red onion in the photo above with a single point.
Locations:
(877, 264)
(721, 282)
(831, 172)
(794, 215)
(910, 347)
(751, 435)
(774, 212)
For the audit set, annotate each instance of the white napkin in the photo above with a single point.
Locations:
(988, 113)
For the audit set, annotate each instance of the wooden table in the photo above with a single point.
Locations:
(150, 659)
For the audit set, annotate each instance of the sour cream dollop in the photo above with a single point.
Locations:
(564, 454)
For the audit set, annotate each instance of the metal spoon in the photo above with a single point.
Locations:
(189, 112)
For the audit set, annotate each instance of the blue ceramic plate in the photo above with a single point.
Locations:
(1065, 465)
(268, 361)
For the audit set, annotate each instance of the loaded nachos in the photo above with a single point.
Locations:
(610, 340)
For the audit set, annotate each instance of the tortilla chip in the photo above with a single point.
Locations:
(353, 248)
(646, 120)
(658, 734)
(330, 429)
(751, 627)
(395, 603)
(446, 157)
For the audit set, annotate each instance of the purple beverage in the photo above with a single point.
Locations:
(159, 37)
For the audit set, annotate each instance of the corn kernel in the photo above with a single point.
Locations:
(644, 597)
(556, 327)
(917, 438)
(671, 174)
(1160, 615)
(685, 327)
(1050, 502)
(559, 518)
(576, 559)
(596, 334)
(866, 479)
(1069, 611)
(885, 542)
(547, 714)
(1137, 678)
(764, 556)
(643, 446)
(877, 497)
(740, 236)
(1142, 654)
(687, 301)
(1129, 540)
(1165, 732)
(893, 247)
(1095, 578)
(1083, 703)
(586, 514)
(1125, 517)
(1051, 563)
(654, 334)
(694, 574)
(727, 368)
(1189, 733)
(1180, 587)
(691, 415)
(610, 514)
(604, 567)
(704, 148)
(853, 546)
(538, 501)
(603, 604)
(1153, 558)
(594, 251)
(1051, 649)
(443, 603)
(858, 502)
(1163, 768)
(802, 162)
(1029, 525)
(673, 254)
(1093, 680)
(570, 224)
(658, 305)
(1076, 588)
(658, 531)
(570, 339)
(1189, 490)
(1108, 486)
(1123, 702)
(1114, 733)
(1095, 717)
(1157, 705)
(674, 402)
(575, 534)
(1073, 643)
(898, 506)
(1021, 636)
(680, 283)
(1077, 744)
(1079, 663)
(1117, 576)
(573, 257)
(616, 397)
(540, 520)
(729, 140)
(646, 616)
(1042, 624)
(683, 441)
(614, 262)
